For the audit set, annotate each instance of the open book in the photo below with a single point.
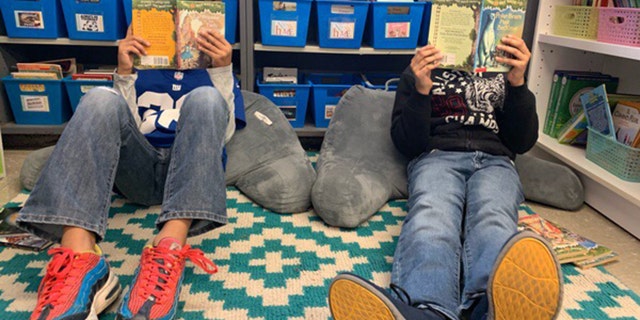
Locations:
(172, 26)
(468, 31)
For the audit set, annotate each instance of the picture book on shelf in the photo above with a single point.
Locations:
(172, 26)
(573, 128)
(12, 236)
(468, 31)
(572, 85)
(597, 110)
(626, 122)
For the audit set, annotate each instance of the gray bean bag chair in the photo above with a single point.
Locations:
(359, 170)
(265, 161)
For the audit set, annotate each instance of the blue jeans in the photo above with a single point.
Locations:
(462, 208)
(102, 146)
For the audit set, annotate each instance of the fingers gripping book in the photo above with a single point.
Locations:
(172, 27)
(468, 31)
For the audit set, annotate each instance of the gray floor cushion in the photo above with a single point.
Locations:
(359, 169)
(265, 160)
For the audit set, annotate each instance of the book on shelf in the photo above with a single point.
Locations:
(573, 128)
(172, 27)
(597, 110)
(12, 236)
(569, 247)
(574, 132)
(35, 75)
(568, 102)
(626, 122)
(468, 31)
(92, 76)
(553, 95)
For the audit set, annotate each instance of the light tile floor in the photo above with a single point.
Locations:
(586, 222)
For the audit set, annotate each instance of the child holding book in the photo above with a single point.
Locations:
(156, 137)
(459, 255)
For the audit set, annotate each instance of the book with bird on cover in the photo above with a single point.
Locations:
(468, 31)
(172, 26)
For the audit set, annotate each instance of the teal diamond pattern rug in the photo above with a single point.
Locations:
(278, 266)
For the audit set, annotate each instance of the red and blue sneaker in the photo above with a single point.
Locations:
(156, 284)
(76, 286)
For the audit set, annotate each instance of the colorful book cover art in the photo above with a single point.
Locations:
(498, 19)
(452, 29)
(597, 110)
(566, 247)
(153, 20)
(194, 16)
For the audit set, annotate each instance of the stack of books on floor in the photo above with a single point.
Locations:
(568, 246)
(12, 236)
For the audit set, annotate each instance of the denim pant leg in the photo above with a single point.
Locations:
(493, 196)
(428, 254)
(195, 187)
(74, 188)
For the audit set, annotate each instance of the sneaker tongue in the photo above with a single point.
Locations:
(169, 243)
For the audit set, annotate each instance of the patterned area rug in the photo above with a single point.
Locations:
(278, 266)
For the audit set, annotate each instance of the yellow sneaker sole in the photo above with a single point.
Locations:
(527, 281)
(349, 300)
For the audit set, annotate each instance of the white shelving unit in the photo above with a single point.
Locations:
(615, 198)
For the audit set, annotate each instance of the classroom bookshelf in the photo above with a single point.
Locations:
(615, 198)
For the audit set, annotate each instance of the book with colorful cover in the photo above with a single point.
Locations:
(12, 236)
(568, 246)
(568, 101)
(556, 83)
(171, 26)
(468, 31)
(573, 128)
(597, 110)
(626, 122)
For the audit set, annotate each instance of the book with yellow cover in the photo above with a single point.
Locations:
(172, 26)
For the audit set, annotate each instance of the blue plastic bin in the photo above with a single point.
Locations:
(101, 20)
(341, 23)
(77, 88)
(35, 101)
(284, 26)
(381, 81)
(231, 20)
(327, 90)
(395, 25)
(33, 18)
(292, 99)
(127, 5)
(423, 38)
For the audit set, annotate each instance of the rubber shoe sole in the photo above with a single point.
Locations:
(526, 283)
(106, 296)
(350, 298)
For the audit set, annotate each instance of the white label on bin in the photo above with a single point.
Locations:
(29, 19)
(284, 28)
(342, 30)
(328, 111)
(35, 103)
(89, 22)
(397, 29)
(289, 112)
(85, 89)
(342, 9)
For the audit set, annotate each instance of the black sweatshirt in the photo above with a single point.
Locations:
(463, 113)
